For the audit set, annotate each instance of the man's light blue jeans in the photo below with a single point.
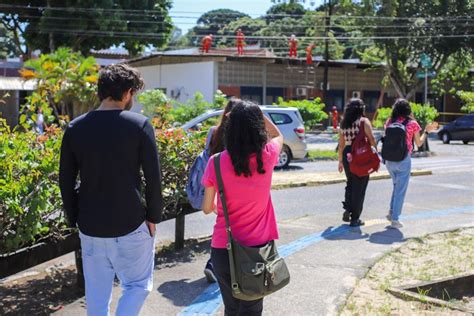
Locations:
(400, 172)
(131, 258)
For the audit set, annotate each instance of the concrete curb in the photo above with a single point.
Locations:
(333, 179)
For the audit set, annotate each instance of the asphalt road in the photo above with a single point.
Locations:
(453, 172)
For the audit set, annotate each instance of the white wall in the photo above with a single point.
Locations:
(185, 79)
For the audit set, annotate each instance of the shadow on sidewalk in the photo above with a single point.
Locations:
(182, 292)
(40, 295)
(289, 168)
(343, 232)
(169, 257)
(387, 237)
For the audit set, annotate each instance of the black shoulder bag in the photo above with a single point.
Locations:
(254, 271)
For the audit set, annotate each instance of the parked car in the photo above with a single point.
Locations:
(459, 129)
(288, 120)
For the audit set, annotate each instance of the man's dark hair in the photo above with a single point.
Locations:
(115, 80)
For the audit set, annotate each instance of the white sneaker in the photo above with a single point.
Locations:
(396, 224)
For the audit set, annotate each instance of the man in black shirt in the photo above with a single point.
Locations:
(106, 149)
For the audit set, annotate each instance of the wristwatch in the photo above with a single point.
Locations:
(426, 132)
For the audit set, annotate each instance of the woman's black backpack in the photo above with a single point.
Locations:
(395, 146)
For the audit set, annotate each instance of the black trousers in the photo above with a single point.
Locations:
(233, 306)
(355, 189)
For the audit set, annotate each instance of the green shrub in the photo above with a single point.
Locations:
(66, 84)
(467, 98)
(30, 200)
(178, 151)
(312, 112)
(423, 113)
(156, 104)
(184, 112)
(382, 116)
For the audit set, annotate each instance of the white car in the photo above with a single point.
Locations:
(288, 120)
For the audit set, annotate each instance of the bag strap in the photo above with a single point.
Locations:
(220, 185)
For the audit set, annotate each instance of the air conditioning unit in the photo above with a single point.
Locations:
(356, 94)
(301, 91)
(321, 86)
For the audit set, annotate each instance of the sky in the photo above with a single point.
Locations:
(186, 12)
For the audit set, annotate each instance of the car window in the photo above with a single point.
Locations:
(280, 118)
(463, 119)
(207, 123)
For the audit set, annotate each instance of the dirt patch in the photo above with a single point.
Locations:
(40, 294)
(419, 260)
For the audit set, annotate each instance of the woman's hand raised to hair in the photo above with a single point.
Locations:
(431, 127)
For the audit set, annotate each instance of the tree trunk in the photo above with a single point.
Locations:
(50, 35)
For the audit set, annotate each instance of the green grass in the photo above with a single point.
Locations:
(322, 154)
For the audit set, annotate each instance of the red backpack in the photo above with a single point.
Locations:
(364, 160)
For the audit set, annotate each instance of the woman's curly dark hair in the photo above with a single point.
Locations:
(245, 135)
(217, 141)
(354, 110)
(401, 109)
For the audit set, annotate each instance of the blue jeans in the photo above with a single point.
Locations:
(400, 173)
(131, 258)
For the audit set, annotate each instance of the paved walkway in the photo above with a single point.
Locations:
(324, 264)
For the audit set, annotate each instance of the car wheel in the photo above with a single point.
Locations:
(465, 142)
(284, 158)
(446, 138)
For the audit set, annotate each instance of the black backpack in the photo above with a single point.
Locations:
(395, 146)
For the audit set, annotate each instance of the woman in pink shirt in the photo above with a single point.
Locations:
(400, 170)
(253, 144)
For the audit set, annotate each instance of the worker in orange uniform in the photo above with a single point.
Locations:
(309, 54)
(206, 43)
(335, 117)
(293, 46)
(239, 41)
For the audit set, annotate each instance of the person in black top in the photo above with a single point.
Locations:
(102, 155)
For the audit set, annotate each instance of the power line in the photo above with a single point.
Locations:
(154, 35)
(457, 23)
(160, 12)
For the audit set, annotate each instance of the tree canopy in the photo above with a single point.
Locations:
(7, 45)
(408, 29)
(86, 24)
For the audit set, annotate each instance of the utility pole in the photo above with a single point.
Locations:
(50, 37)
(327, 23)
(426, 86)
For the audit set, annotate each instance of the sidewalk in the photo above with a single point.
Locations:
(284, 180)
(325, 263)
